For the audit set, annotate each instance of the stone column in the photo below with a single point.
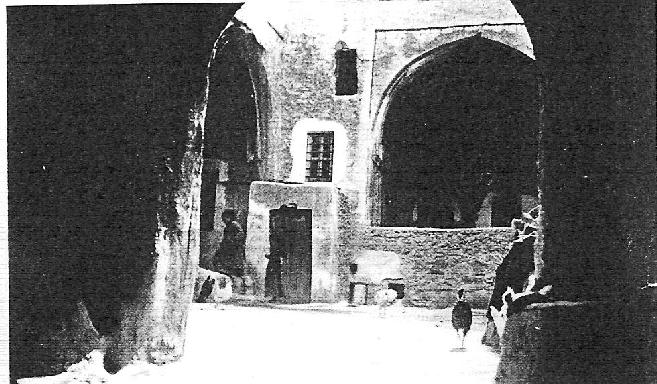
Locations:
(598, 144)
(599, 197)
(153, 324)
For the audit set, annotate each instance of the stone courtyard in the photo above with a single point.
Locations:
(315, 343)
(132, 128)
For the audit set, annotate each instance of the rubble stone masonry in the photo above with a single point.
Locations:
(437, 262)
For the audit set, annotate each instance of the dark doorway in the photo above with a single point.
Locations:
(291, 236)
(459, 138)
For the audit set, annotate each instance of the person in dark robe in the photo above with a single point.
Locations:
(230, 257)
(462, 316)
(273, 285)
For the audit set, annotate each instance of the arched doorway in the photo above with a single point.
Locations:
(235, 134)
(458, 143)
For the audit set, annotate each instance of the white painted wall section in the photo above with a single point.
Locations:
(298, 148)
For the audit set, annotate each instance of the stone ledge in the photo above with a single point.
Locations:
(426, 229)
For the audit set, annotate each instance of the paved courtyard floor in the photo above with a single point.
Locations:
(333, 345)
(321, 343)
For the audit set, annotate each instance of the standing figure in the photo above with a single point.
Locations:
(461, 317)
(230, 257)
(273, 284)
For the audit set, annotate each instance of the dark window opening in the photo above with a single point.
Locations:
(397, 287)
(346, 73)
(319, 156)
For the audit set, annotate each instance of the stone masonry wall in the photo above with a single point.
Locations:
(437, 262)
(347, 237)
(302, 85)
(396, 49)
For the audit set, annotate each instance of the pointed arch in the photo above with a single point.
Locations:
(421, 67)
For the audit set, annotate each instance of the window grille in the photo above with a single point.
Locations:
(319, 156)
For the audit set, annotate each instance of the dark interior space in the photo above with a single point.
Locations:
(231, 114)
(98, 109)
(463, 125)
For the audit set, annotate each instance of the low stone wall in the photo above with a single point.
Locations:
(437, 262)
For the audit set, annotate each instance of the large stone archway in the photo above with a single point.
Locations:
(237, 49)
(491, 114)
(236, 134)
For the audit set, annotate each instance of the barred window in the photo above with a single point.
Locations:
(319, 156)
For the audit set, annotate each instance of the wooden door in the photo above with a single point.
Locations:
(291, 234)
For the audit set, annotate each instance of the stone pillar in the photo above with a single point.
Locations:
(106, 141)
(598, 194)
(153, 324)
(597, 142)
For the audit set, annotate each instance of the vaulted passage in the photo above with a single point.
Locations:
(460, 138)
(231, 123)
(231, 147)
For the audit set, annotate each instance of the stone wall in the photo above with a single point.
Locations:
(437, 262)
(298, 58)
(347, 237)
(302, 86)
(299, 40)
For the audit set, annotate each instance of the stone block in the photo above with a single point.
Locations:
(443, 299)
(479, 298)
